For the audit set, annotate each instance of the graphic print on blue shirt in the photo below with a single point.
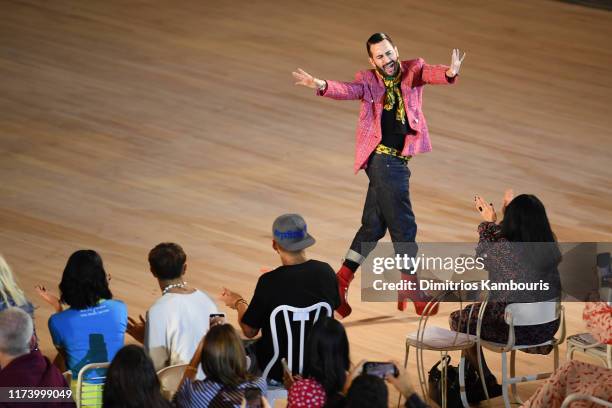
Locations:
(91, 335)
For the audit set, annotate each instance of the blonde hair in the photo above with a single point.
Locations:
(8, 286)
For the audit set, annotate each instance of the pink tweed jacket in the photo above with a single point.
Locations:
(369, 88)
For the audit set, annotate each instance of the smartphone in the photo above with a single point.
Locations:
(253, 398)
(380, 369)
(216, 318)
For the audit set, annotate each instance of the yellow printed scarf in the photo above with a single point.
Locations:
(393, 93)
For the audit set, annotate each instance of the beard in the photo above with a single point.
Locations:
(383, 71)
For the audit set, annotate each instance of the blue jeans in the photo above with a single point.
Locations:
(387, 206)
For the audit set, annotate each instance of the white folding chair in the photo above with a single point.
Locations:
(443, 340)
(522, 314)
(581, 397)
(170, 378)
(297, 314)
(89, 390)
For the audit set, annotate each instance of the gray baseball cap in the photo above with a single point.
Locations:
(289, 231)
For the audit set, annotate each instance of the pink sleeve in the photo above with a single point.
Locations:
(344, 90)
(598, 318)
(436, 75)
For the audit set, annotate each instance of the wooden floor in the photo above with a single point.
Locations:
(124, 124)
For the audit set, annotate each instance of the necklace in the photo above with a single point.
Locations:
(172, 286)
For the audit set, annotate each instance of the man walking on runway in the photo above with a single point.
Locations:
(391, 129)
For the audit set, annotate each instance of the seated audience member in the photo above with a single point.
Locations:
(12, 295)
(222, 357)
(367, 391)
(299, 282)
(577, 376)
(92, 329)
(179, 318)
(20, 367)
(131, 381)
(326, 367)
(524, 221)
(573, 376)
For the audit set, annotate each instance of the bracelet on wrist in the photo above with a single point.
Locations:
(241, 300)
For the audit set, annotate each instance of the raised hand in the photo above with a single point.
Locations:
(136, 329)
(485, 209)
(305, 79)
(456, 60)
(508, 196)
(49, 297)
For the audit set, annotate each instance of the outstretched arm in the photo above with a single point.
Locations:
(442, 74)
(331, 89)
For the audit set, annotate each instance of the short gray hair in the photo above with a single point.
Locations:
(16, 329)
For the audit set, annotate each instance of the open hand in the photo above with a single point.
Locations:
(136, 329)
(508, 196)
(50, 298)
(485, 209)
(456, 61)
(229, 298)
(305, 79)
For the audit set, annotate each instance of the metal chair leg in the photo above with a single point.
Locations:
(505, 380)
(515, 397)
(462, 382)
(444, 378)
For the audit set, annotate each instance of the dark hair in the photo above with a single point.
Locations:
(84, 280)
(131, 381)
(525, 220)
(375, 39)
(223, 357)
(327, 355)
(167, 260)
(367, 391)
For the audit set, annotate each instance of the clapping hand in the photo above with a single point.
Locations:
(136, 329)
(49, 297)
(456, 60)
(508, 196)
(485, 209)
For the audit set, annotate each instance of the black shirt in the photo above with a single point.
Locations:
(295, 285)
(393, 131)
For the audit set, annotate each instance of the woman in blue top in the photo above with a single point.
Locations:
(92, 329)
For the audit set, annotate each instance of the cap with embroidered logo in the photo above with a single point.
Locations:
(290, 232)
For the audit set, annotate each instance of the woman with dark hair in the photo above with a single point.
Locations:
(223, 360)
(325, 368)
(92, 329)
(521, 248)
(131, 381)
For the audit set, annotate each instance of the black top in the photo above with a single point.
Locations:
(296, 285)
(393, 131)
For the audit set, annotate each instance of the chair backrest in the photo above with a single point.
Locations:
(529, 314)
(301, 314)
(170, 378)
(89, 390)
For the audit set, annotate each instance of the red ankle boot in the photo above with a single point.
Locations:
(344, 277)
(419, 298)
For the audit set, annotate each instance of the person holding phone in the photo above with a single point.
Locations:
(221, 356)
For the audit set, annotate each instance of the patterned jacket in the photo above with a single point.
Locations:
(369, 88)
